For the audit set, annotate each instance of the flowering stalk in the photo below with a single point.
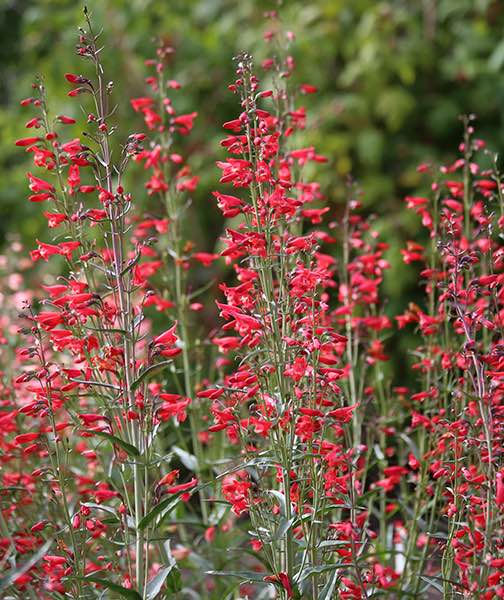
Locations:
(283, 405)
(100, 306)
(464, 314)
(170, 183)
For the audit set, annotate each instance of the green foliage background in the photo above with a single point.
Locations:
(393, 77)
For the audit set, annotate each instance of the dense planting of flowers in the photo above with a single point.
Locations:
(147, 455)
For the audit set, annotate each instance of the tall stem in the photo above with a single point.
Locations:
(122, 293)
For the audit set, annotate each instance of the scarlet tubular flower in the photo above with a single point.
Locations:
(169, 478)
(40, 197)
(236, 491)
(174, 405)
(90, 419)
(39, 526)
(167, 338)
(283, 580)
(182, 487)
(229, 205)
(71, 78)
(26, 438)
(35, 122)
(66, 120)
(139, 104)
(342, 415)
(28, 141)
(39, 185)
(205, 258)
(499, 496)
(184, 123)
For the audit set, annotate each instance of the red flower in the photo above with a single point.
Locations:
(169, 478)
(283, 581)
(184, 123)
(167, 338)
(39, 185)
(182, 487)
(29, 141)
(25, 438)
(344, 414)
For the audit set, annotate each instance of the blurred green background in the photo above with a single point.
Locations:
(393, 77)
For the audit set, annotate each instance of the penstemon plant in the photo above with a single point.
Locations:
(144, 456)
(458, 412)
(93, 358)
(170, 184)
(303, 466)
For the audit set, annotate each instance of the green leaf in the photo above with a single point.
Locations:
(114, 587)
(283, 528)
(431, 580)
(188, 460)
(148, 373)
(168, 504)
(281, 499)
(310, 571)
(128, 448)
(496, 59)
(217, 514)
(328, 589)
(110, 520)
(103, 507)
(156, 583)
(26, 566)
(413, 447)
(169, 573)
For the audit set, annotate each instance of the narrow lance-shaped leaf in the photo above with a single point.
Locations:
(131, 450)
(113, 587)
(169, 574)
(148, 373)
